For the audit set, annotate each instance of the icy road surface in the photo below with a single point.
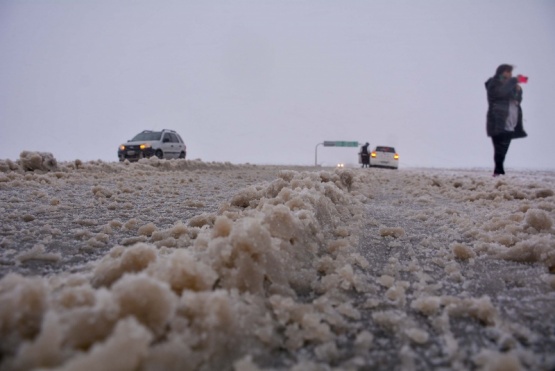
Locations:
(184, 265)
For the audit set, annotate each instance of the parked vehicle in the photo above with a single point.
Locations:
(384, 156)
(162, 144)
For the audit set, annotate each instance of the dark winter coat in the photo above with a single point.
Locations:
(500, 93)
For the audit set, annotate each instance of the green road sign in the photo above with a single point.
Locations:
(336, 143)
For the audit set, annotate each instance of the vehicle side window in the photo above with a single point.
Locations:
(174, 138)
(166, 138)
(179, 138)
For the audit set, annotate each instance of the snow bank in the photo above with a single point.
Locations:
(205, 266)
(31, 161)
(185, 298)
(45, 161)
(511, 218)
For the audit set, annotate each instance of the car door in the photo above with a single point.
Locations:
(179, 145)
(167, 146)
(176, 145)
(182, 143)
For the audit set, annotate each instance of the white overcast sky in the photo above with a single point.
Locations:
(265, 81)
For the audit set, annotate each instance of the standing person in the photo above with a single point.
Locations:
(364, 155)
(504, 118)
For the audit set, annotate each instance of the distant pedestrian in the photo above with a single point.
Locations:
(504, 118)
(364, 155)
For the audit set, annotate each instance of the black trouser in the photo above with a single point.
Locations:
(501, 144)
(365, 159)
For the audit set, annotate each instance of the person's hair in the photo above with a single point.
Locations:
(503, 68)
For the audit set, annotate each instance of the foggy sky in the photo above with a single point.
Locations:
(265, 81)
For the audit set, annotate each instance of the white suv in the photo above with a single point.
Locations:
(162, 144)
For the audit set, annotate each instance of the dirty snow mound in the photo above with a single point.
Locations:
(187, 265)
(44, 161)
(237, 274)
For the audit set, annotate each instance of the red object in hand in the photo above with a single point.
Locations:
(522, 79)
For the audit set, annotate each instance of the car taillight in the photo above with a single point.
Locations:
(373, 154)
(396, 156)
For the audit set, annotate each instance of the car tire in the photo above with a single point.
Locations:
(182, 155)
(159, 154)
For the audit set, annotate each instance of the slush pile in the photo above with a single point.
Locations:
(186, 265)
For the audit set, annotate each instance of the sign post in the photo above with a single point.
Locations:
(333, 143)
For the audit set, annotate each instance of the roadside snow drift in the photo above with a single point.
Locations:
(185, 265)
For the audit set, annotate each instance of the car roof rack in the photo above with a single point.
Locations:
(152, 131)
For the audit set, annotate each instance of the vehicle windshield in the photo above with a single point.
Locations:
(152, 135)
(385, 149)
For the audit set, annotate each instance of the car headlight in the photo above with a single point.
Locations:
(145, 146)
(122, 147)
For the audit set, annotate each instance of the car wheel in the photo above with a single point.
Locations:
(159, 153)
(182, 155)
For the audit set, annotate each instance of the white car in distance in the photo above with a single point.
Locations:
(384, 156)
(162, 144)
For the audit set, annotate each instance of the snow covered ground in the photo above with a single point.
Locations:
(180, 265)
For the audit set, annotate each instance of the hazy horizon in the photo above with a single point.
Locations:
(264, 82)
